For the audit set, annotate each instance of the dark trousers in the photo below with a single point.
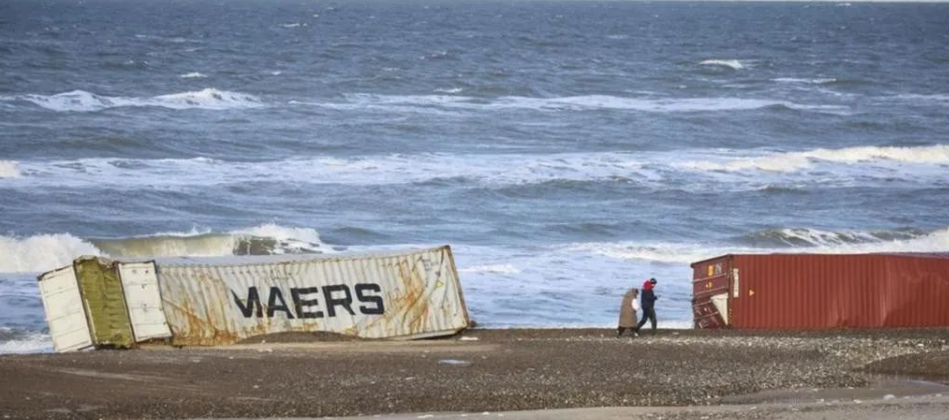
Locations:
(650, 315)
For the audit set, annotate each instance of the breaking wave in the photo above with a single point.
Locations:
(42, 253)
(795, 161)
(15, 341)
(817, 81)
(856, 165)
(9, 169)
(789, 240)
(566, 103)
(803, 237)
(82, 101)
(732, 64)
(193, 75)
(491, 268)
(934, 97)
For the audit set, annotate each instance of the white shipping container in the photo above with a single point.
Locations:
(213, 301)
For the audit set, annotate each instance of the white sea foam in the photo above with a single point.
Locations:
(796, 161)
(449, 90)
(732, 64)
(498, 169)
(802, 240)
(397, 103)
(290, 239)
(193, 75)
(816, 81)
(292, 25)
(40, 253)
(928, 98)
(9, 169)
(34, 343)
(690, 169)
(491, 268)
(79, 101)
(206, 99)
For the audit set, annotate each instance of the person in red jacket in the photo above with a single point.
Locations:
(648, 297)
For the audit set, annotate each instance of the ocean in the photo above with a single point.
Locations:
(566, 150)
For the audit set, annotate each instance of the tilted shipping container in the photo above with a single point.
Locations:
(821, 291)
(382, 295)
(216, 301)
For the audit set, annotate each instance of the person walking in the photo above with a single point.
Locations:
(649, 305)
(627, 312)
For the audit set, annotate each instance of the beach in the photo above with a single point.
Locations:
(703, 373)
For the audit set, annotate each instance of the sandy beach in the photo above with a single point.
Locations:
(483, 371)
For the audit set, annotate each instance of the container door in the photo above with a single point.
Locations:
(105, 303)
(65, 315)
(710, 284)
(140, 284)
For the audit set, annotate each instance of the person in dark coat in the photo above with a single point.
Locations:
(648, 297)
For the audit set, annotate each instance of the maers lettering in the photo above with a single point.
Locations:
(305, 302)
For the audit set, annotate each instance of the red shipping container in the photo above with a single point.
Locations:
(821, 291)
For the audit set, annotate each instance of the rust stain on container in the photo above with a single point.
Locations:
(821, 291)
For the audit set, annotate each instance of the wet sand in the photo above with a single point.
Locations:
(479, 371)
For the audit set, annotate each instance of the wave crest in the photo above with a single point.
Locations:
(804, 237)
(41, 253)
(438, 103)
(9, 169)
(795, 161)
(732, 64)
(788, 240)
(82, 101)
(815, 81)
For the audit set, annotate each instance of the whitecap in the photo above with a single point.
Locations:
(585, 102)
(44, 252)
(796, 161)
(206, 99)
(491, 268)
(800, 240)
(36, 342)
(732, 64)
(41, 253)
(193, 75)
(814, 81)
(9, 169)
(931, 97)
(82, 101)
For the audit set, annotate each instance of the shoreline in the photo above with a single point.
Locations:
(493, 370)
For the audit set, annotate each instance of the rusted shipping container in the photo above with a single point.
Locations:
(821, 291)
(406, 294)
(214, 301)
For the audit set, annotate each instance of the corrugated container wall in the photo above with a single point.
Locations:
(400, 295)
(808, 291)
(213, 301)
